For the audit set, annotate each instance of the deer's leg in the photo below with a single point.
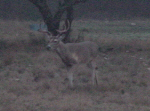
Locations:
(94, 72)
(71, 71)
(70, 75)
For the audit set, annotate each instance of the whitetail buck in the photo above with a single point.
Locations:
(73, 54)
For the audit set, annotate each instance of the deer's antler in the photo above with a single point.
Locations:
(65, 29)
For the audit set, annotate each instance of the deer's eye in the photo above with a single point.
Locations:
(55, 40)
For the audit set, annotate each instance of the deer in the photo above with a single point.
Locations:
(73, 54)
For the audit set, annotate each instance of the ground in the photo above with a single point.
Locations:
(34, 79)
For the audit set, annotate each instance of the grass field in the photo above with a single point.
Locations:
(34, 79)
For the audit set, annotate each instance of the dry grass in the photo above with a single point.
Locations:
(33, 79)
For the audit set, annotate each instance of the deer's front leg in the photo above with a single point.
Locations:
(94, 73)
(70, 77)
(71, 71)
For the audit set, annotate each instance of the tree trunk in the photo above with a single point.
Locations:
(53, 23)
(70, 18)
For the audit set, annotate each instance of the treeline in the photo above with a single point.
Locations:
(97, 9)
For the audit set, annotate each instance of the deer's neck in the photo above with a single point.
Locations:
(61, 49)
(64, 54)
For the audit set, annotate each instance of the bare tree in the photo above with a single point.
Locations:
(53, 21)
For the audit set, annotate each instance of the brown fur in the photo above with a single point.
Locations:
(73, 54)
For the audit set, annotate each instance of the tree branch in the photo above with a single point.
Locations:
(38, 3)
(68, 4)
(46, 13)
(79, 1)
(54, 22)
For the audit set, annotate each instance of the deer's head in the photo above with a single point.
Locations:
(53, 41)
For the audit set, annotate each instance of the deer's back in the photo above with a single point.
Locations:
(83, 51)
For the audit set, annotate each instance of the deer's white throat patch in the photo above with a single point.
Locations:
(75, 56)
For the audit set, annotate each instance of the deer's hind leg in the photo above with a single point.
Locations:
(94, 72)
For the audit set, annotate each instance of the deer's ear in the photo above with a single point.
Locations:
(48, 36)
